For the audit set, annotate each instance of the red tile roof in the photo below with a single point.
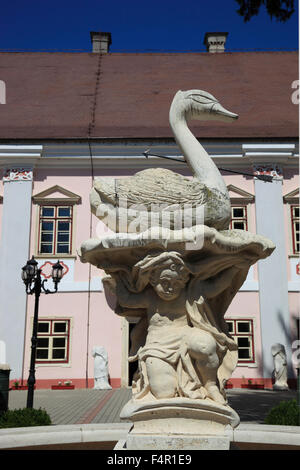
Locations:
(51, 95)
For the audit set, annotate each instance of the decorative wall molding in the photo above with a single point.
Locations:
(66, 196)
(292, 197)
(68, 283)
(47, 268)
(294, 283)
(17, 174)
(271, 169)
(240, 195)
(14, 156)
(129, 154)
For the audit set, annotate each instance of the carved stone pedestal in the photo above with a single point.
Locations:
(179, 423)
(178, 284)
(176, 442)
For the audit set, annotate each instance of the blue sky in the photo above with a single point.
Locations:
(138, 25)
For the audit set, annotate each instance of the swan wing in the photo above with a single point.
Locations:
(161, 186)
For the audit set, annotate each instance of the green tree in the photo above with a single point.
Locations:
(282, 10)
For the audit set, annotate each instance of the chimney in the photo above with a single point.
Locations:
(215, 42)
(100, 41)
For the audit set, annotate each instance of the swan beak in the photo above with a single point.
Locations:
(223, 114)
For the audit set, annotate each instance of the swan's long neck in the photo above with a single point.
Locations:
(196, 156)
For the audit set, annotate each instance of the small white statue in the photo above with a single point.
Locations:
(280, 367)
(100, 368)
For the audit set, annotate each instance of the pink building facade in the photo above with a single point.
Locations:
(46, 178)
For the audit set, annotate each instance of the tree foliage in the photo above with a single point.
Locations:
(282, 10)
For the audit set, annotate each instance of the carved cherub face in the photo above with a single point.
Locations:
(168, 282)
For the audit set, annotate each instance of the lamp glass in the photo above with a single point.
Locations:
(24, 274)
(57, 271)
(30, 270)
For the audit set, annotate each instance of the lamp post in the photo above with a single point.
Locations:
(31, 276)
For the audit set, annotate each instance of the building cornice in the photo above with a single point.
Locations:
(20, 155)
(227, 154)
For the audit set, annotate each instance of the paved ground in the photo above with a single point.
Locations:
(85, 406)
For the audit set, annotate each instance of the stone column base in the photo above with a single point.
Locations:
(176, 442)
(178, 424)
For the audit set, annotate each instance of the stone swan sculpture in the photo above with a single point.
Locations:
(178, 284)
(132, 198)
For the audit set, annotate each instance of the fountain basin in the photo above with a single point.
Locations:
(109, 436)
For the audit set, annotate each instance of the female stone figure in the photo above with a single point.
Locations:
(100, 368)
(280, 367)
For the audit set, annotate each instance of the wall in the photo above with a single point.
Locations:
(93, 323)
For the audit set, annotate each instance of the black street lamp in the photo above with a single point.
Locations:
(31, 275)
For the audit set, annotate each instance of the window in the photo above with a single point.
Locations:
(242, 333)
(239, 218)
(53, 340)
(55, 230)
(295, 228)
(56, 212)
(241, 206)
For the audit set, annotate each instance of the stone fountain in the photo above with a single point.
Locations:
(172, 262)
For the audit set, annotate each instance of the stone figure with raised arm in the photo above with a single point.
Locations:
(183, 350)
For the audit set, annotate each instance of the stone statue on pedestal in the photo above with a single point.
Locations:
(100, 368)
(280, 367)
(174, 264)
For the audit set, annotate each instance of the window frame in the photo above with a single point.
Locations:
(291, 200)
(60, 197)
(53, 335)
(235, 334)
(55, 219)
(241, 198)
(244, 218)
(293, 221)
